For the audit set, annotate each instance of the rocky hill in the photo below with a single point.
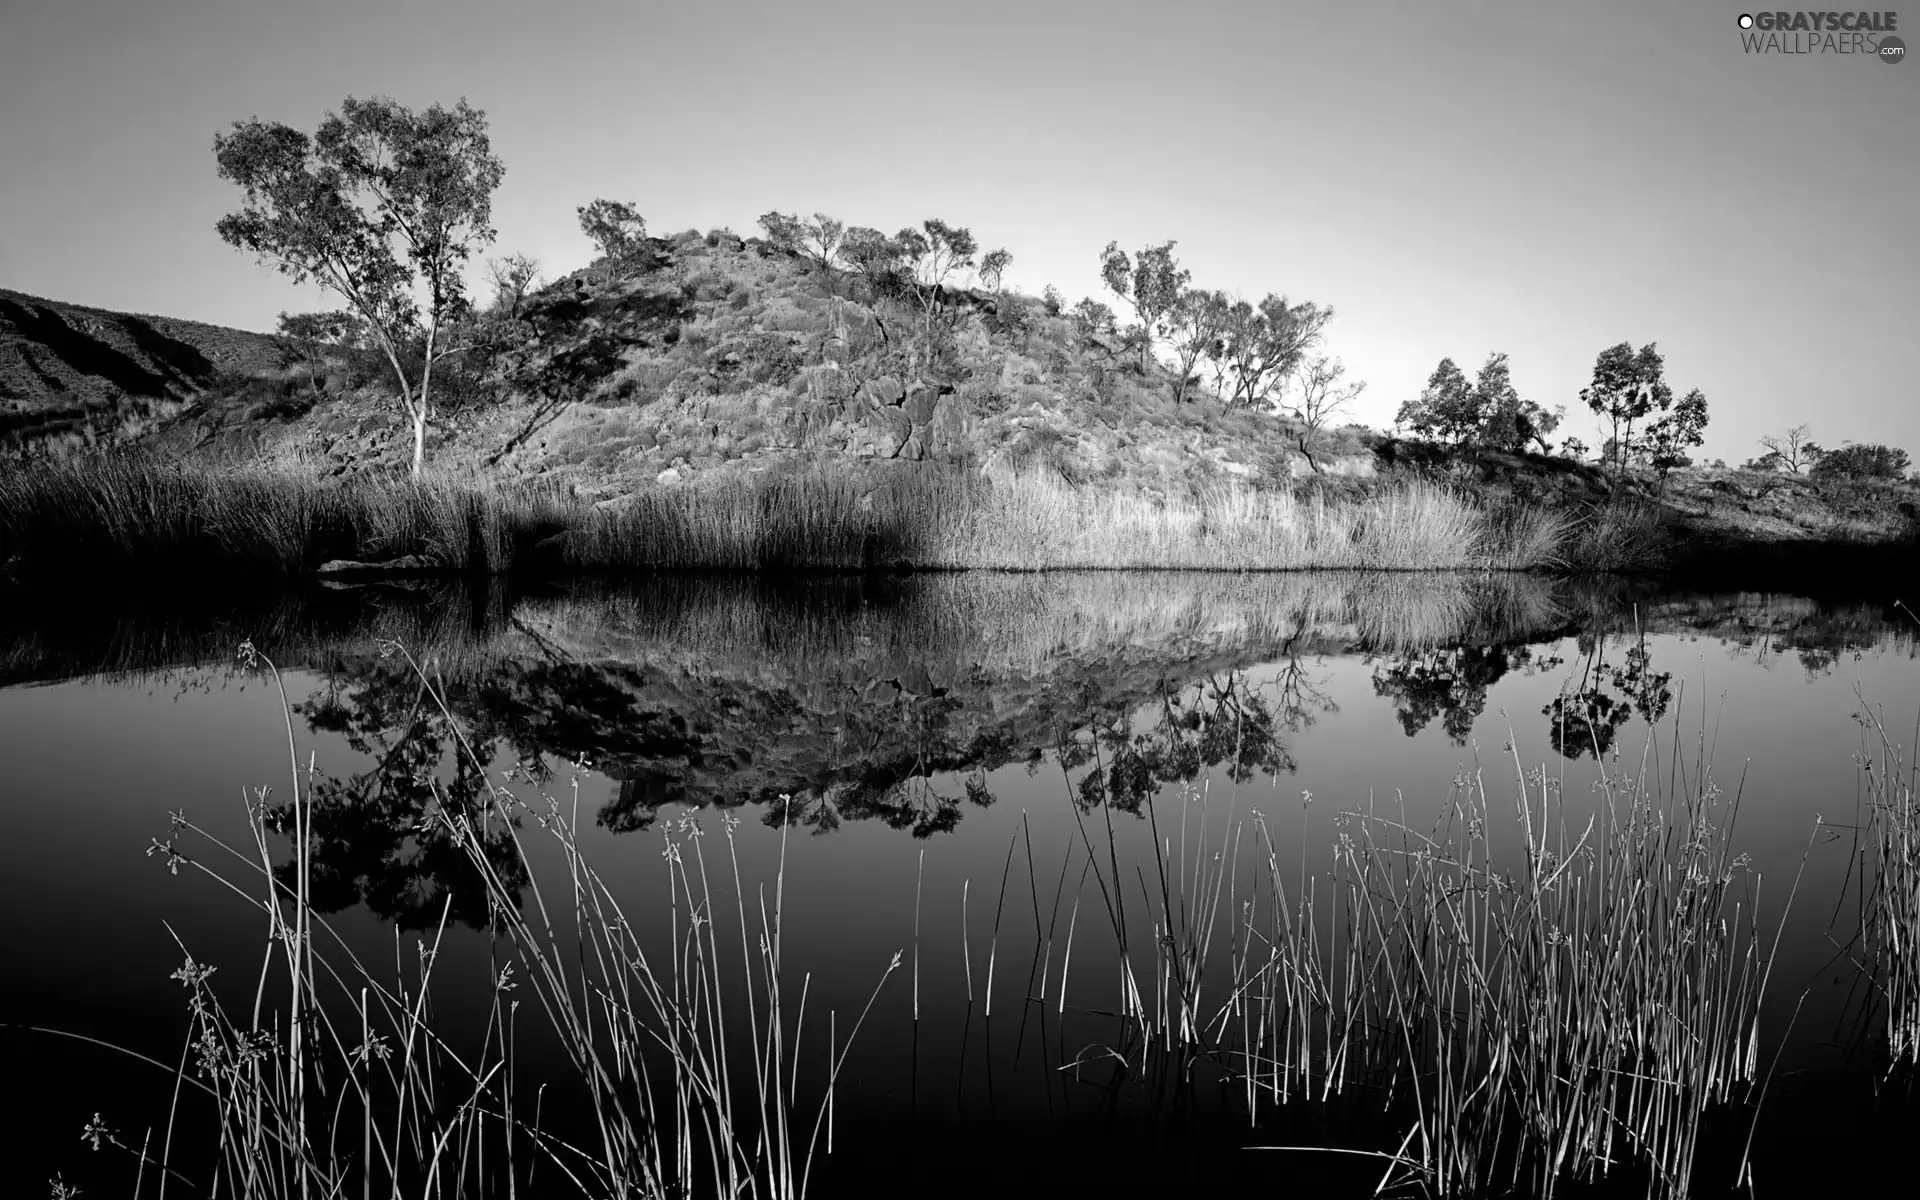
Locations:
(721, 356)
(70, 371)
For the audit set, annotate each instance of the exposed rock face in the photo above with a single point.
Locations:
(884, 390)
(920, 403)
(891, 428)
(946, 435)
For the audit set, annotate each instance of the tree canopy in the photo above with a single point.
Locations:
(381, 203)
(619, 231)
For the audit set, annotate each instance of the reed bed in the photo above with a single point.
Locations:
(330, 1078)
(1535, 996)
(128, 515)
(1891, 914)
(126, 519)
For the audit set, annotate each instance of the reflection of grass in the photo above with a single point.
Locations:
(1557, 1019)
(1541, 998)
(1891, 916)
(80, 520)
(337, 1080)
(1024, 622)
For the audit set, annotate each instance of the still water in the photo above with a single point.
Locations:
(958, 769)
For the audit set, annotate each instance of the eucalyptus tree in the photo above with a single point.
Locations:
(1264, 344)
(1322, 394)
(512, 278)
(383, 206)
(1196, 324)
(1152, 282)
(618, 230)
(1627, 388)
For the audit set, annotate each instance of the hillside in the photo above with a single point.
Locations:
(67, 370)
(722, 357)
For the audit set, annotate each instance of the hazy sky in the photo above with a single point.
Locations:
(1541, 177)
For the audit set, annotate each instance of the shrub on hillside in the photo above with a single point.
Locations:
(1014, 316)
(708, 286)
(1858, 461)
(757, 357)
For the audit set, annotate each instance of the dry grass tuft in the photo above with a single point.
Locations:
(125, 514)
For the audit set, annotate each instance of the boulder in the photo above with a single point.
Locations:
(892, 429)
(886, 390)
(946, 436)
(920, 403)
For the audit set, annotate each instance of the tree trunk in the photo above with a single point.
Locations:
(1310, 462)
(426, 385)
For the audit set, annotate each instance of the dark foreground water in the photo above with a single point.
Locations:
(956, 754)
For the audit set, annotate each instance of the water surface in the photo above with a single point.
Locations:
(962, 739)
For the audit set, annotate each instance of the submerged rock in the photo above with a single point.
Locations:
(406, 564)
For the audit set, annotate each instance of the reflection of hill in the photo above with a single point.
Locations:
(1812, 629)
(849, 693)
(842, 693)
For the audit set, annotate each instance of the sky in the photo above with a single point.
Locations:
(1541, 178)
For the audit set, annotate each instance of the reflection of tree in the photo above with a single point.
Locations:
(1298, 698)
(1219, 721)
(909, 802)
(870, 776)
(373, 840)
(1449, 685)
(1587, 719)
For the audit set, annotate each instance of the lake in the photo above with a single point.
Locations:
(1219, 812)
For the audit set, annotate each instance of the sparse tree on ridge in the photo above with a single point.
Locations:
(308, 333)
(817, 241)
(1508, 422)
(1091, 317)
(1862, 461)
(1668, 439)
(1792, 451)
(1447, 410)
(1152, 282)
(1195, 324)
(994, 266)
(1321, 395)
(512, 278)
(931, 255)
(868, 252)
(783, 231)
(820, 241)
(1626, 389)
(619, 231)
(1264, 344)
(378, 202)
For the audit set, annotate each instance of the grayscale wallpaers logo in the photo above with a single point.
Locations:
(1866, 34)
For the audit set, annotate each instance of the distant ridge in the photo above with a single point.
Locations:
(70, 368)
